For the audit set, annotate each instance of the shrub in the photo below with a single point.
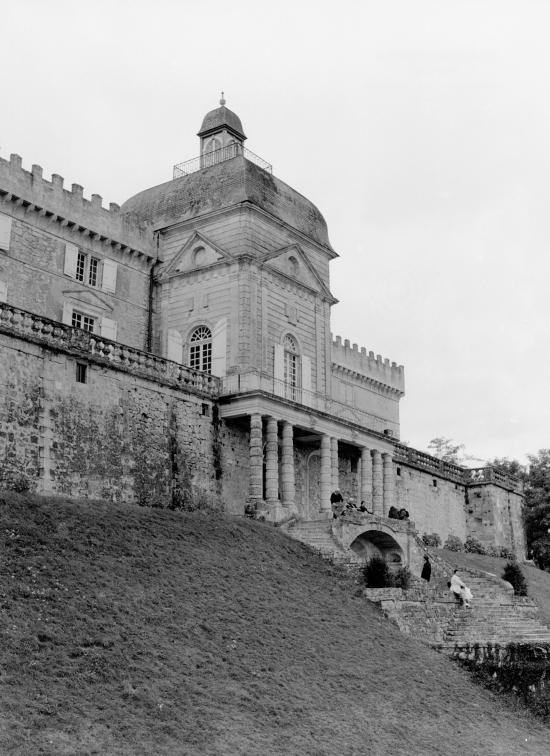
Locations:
(513, 574)
(473, 546)
(491, 550)
(507, 553)
(402, 578)
(453, 543)
(431, 539)
(376, 573)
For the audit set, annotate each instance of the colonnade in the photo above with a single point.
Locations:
(375, 473)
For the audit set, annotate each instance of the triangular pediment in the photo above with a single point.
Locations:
(197, 252)
(292, 262)
(88, 298)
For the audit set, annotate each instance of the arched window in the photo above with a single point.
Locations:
(200, 349)
(212, 152)
(291, 359)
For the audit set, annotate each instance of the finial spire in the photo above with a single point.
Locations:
(222, 101)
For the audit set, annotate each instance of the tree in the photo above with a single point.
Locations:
(446, 450)
(508, 467)
(537, 507)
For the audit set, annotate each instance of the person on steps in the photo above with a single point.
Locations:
(456, 585)
(426, 569)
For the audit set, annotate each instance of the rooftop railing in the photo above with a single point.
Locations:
(219, 156)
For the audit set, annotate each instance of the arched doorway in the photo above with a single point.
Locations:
(372, 543)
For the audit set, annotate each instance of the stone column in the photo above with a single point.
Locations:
(389, 483)
(326, 475)
(271, 462)
(377, 483)
(334, 463)
(366, 478)
(255, 492)
(287, 466)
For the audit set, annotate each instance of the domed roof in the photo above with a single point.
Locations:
(227, 185)
(221, 118)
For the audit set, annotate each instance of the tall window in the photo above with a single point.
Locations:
(87, 269)
(291, 367)
(200, 349)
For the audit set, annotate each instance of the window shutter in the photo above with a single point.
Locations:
(174, 350)
(219, 348)
(5, 231)
(108, 282)
(306, 381)
(108, 328)
(279, 370)
(67, 317)
(3, 291)
(71, 256)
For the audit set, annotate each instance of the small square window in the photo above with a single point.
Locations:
(81, 372)
(399, 471)
(434, 483)
(206, 410)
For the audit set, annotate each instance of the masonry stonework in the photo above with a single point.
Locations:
(177, 350)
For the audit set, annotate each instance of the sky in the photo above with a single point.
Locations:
(419, 129)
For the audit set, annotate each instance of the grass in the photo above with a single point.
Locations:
(139, 631)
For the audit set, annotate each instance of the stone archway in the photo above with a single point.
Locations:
(370, 535)
(372, 543)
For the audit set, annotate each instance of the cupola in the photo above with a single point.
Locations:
(221, 135)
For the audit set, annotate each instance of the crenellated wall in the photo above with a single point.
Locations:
(70, 208)
(361, 364)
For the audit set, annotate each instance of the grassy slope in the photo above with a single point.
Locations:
(133, 631)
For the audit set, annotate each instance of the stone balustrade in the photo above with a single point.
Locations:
(92, 347)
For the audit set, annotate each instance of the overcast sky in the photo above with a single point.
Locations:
(420, 129)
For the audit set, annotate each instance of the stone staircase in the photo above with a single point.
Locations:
(496, 616)
(318, 535)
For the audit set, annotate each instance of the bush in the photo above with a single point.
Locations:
(402, 578)
(453, 543)
(507, 553)
(431, 539)
(513, 574)
(473, 546)
(376, 573)
(491, 550)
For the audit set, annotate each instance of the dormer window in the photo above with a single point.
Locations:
(199, 256)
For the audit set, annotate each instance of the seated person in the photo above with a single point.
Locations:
(403, 514)
(393, 513)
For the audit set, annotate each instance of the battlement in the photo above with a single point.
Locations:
(30, 190)
(367, 365)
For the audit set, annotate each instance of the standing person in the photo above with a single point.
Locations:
(426, 569)
(336, 503)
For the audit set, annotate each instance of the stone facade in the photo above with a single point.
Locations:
(178, 349)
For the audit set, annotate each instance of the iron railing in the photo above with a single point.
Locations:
(219, 156)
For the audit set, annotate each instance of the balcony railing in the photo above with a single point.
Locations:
(219, 156)
(254, 380)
